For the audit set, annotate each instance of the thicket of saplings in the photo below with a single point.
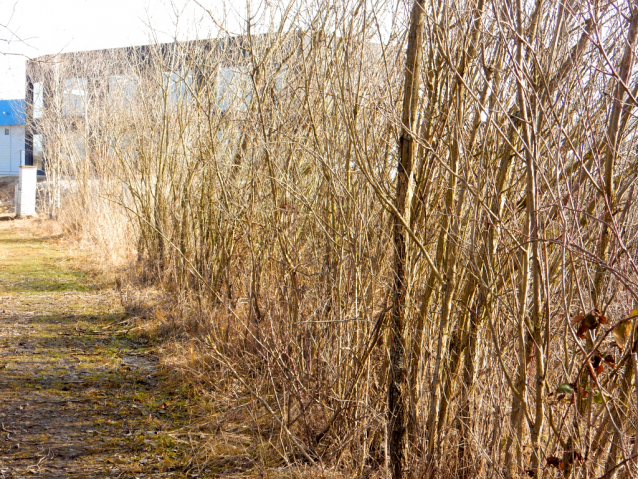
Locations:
(404, 232)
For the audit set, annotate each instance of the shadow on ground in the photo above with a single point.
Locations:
(81, 394)
(81, 401)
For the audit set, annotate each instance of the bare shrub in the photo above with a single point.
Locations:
(339, 247)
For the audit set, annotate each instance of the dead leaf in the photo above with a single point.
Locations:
(582, 331)
(554, 461)
(621, 333)
(591, 321)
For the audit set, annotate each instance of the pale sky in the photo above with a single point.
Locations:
(52, 26)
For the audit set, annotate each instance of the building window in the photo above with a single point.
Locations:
(122, 88)
(74, 96)
(178, 85)
(6, 131)
(233, 88)
(38, 100)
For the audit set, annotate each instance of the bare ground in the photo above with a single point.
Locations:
(81, 394)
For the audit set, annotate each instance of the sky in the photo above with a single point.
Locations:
(42, 27)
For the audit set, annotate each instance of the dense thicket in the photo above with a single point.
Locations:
(446, 233)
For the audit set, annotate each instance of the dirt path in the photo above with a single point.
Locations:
(80, 396)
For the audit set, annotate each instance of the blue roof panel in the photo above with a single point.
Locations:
(11, 112)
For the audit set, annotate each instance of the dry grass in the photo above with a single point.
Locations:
(7, 193)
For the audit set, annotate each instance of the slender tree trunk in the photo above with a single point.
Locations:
(613, 137)
(469, 373)
(398, 387)
(519, 401)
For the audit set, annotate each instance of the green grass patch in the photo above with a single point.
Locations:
(34, 265)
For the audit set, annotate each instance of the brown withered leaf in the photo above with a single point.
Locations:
(597, 364)
(595, 360)
(582, 331)
(554, 461)
(578, 319)
(621, 333)
(591, 321)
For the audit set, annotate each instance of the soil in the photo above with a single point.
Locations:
(82, 393)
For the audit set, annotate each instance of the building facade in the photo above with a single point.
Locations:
(67, 86)
(12, 134)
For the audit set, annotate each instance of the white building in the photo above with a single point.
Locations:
(11, 136)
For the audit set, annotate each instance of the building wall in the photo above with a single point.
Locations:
(11, 146)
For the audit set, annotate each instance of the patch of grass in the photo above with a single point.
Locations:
(65, 350)
(31, 264)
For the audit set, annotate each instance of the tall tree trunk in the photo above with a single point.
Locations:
(398, 387)
(613, 137)
(525, 341)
